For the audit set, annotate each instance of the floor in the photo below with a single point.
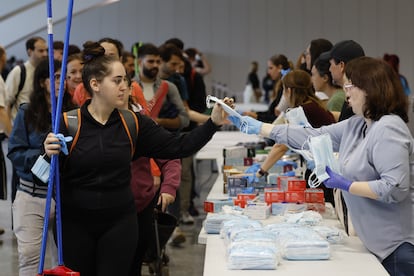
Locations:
(187, 259)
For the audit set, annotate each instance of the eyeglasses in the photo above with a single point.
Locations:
(348, 86)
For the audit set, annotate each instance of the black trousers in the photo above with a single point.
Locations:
(146, 235)
(99, 245)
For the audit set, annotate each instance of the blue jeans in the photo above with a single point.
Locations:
(401, 261)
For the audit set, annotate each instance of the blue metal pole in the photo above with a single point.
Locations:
(52, 100)
(56, 130)
(56, 113)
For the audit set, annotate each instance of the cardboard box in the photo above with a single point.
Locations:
(314, 196)
(295, 196)
(282, 181)
(215, 205)
(273, 195)
(296, 184)
(318, 207)
(257, 210)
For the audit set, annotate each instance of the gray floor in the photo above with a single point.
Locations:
(187, 259)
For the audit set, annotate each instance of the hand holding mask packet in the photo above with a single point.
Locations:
(238, 120)
(41, 168)
(323, 156)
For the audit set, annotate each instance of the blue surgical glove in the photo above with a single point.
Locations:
(310, 164)
(252, 170)
(283, 163)
(289, 173)
(62, 141)
(336, 181)
(246, 124)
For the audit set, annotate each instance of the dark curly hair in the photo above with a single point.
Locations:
(96, 64)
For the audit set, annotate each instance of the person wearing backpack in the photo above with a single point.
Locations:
(32, 123)
(99, 222)
(19, 82)
(19, 85)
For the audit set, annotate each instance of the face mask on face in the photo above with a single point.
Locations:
(322, 152)
(296, 116)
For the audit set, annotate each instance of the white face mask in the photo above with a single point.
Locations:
(307, 154)
(296, 116)
(321, 148)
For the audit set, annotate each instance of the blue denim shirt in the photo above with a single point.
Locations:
(24, 146)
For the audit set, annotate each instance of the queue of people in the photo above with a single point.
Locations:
(111, 180)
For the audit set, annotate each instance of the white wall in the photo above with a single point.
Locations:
(234, 32)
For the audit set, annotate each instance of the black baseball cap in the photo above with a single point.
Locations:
(345, 51)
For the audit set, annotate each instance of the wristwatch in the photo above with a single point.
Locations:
(262, 172)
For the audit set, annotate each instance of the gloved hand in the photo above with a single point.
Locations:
(62, 141)
(310, 164)
(246, 124)
(336, 181)
(289, 173)
(252, 170)
(283, 163)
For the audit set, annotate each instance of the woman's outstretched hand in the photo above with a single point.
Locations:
(218, 115)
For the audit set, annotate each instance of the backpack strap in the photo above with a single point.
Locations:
(130, 122)
(158, 100)
(73, 122)
(21, 84)
(22, 78)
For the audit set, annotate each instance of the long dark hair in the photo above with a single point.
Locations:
(37, 116)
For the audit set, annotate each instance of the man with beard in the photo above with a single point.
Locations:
(171, 113)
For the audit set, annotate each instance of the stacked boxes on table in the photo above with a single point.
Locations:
(236, 160)
(276, 189)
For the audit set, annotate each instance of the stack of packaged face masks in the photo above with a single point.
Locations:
(300, 242)
(249, 246)
(304, 218)
(330, 233)
(253, 250)
(213, 222)
(231, 226)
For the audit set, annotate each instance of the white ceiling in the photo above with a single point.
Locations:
(20, 19)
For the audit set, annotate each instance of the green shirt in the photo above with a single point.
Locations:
(336, 101)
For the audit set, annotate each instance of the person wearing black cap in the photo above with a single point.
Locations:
(340, 54)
